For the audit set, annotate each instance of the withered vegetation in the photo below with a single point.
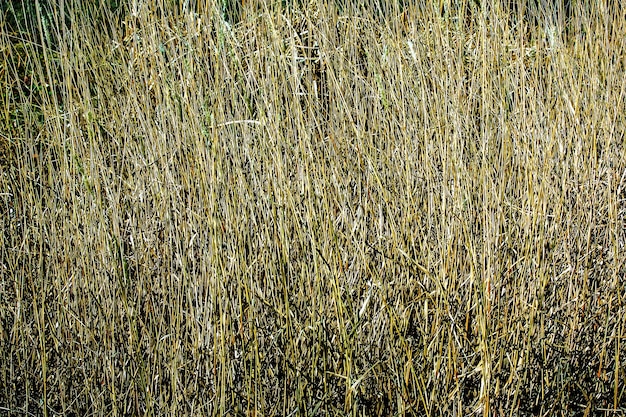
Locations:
(312, 208)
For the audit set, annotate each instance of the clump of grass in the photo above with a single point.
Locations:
(312, 209)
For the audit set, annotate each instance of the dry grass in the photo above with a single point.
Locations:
(309, 212)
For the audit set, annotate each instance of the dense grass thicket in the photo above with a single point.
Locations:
(312, 208)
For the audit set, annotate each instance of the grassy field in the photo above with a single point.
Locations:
(312, 209)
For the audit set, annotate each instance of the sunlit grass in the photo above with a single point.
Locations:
(312, 209)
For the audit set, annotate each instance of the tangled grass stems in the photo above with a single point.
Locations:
(301, 209)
